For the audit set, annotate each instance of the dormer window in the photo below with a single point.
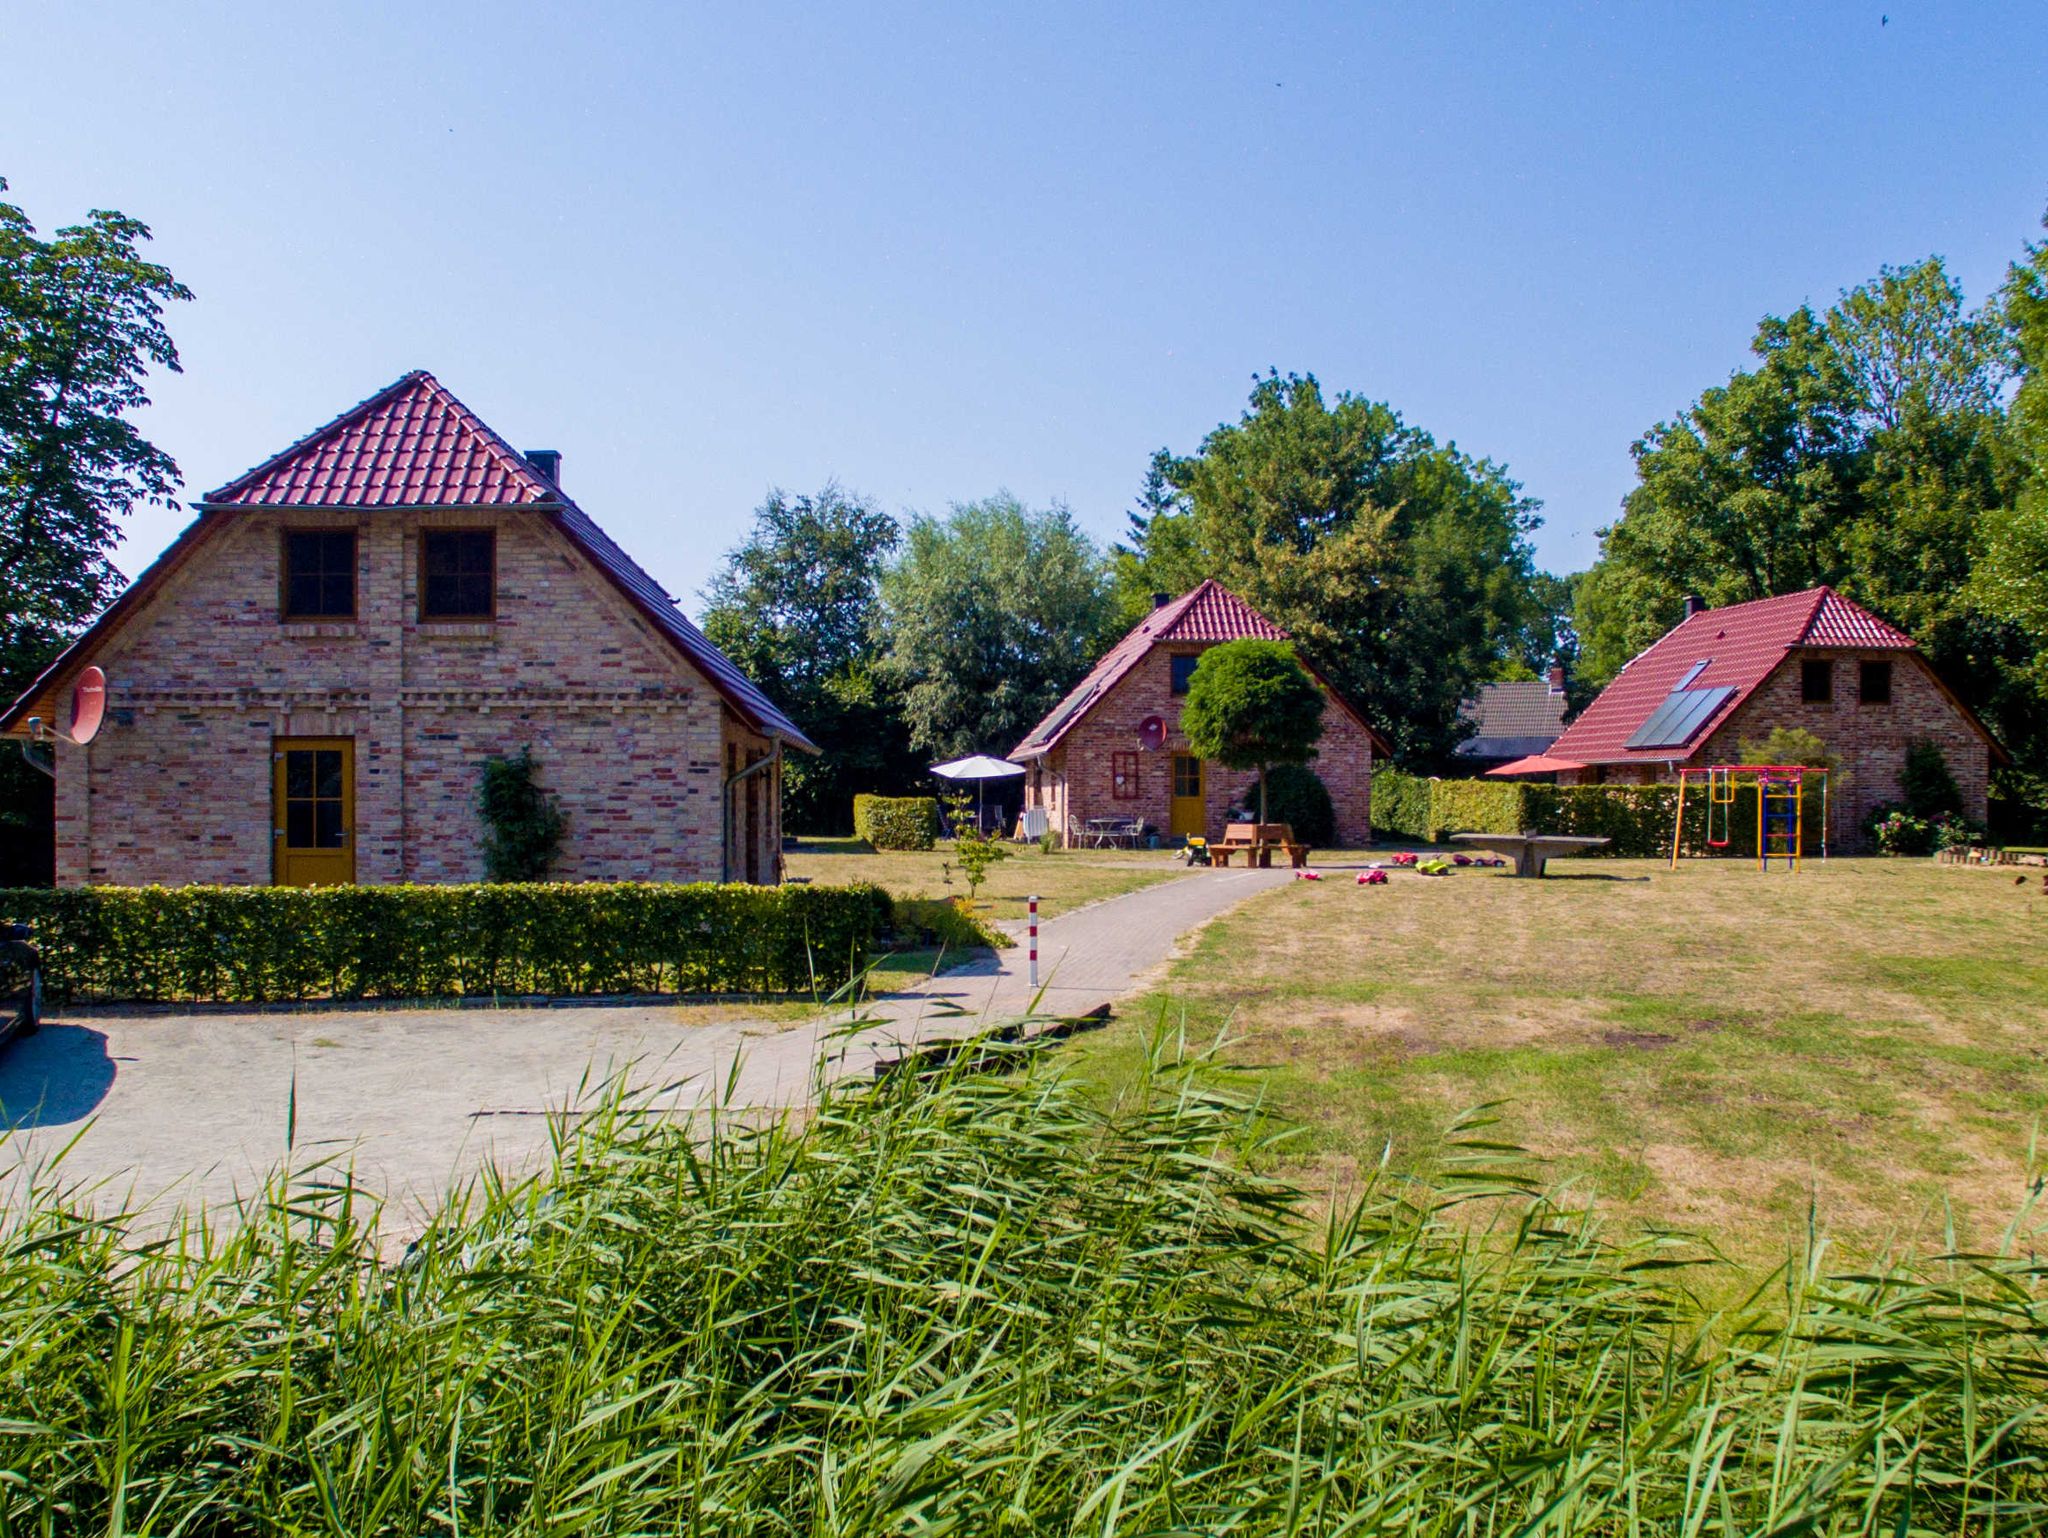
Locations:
(458, 574)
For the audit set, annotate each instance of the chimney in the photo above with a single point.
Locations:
(1161, 600)
(1694, 604)
(548, 462)
(1557, 678)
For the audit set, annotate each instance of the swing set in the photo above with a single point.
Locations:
(1780, 809)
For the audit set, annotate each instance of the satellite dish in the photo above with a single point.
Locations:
(1152, 732)
(88, 706)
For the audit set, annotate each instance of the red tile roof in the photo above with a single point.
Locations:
(1209, 613)
(1741, 646)
(413, 444)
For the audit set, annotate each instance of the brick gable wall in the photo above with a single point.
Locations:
(1076, 780)
(632, 741)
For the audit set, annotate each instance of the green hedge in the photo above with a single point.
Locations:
(896, 822)
(255, 944)
(1636, 817)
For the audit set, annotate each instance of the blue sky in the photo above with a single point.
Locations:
(937, 250)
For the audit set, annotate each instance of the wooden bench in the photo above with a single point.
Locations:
(1256, 841)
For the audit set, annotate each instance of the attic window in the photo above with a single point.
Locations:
(1693, 672)
(1874, 683)
(458, 569)
(1182, 669)
(319, 574)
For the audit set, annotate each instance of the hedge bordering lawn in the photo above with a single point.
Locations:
(259, 944)
(896, 822)
(1636, 817)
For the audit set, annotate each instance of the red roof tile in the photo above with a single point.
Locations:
(1740, 645)
(413, 444)
(1209, 613)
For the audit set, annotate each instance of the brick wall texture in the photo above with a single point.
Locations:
(1869, 741)
(205, 680)
(1076, 779)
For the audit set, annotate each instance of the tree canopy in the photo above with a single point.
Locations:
(81, 326)
(1252, 705)
(798, 608)
(1870, 449)
(991, 614)
(1401, 565)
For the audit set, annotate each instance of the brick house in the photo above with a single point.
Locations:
(1113, 747)
(1811, 660)
(304, 686)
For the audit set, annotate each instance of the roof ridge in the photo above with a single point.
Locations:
(221, 493)
(541, 492)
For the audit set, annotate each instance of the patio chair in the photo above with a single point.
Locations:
(1034, 824)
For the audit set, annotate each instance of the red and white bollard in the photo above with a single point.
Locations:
(1034, 942)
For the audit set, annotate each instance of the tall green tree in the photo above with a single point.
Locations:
(1252, 705)
(797, 607)
(81, 327)
(1401, 565)
(991, 614)
(1867, 449)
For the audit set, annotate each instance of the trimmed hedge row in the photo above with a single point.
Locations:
(256, 944)
(896, 822)
(1636, 817)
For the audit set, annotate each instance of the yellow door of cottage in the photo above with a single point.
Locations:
(313, 811)
(1187, 816)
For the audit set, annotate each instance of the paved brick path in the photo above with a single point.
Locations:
(168, 1107)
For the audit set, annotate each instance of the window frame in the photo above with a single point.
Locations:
(286, 614)
(1817, 667)
(1176, 686)
(484, 616)
(1124, 771)
(1867, 669)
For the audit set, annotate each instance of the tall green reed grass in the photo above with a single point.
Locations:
(974, 1301)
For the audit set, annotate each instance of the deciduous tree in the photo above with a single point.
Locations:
(1252, 705)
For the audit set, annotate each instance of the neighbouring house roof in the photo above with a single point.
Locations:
(1512, 719)
(1209, 613)
(1669, 699)
(413, 445)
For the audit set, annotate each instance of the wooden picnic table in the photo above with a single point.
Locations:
(1257, 841)
(1531, 850)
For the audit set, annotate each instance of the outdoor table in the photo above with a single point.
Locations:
(1108, 832)
(1531, 850)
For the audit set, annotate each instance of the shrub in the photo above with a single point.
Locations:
(896, 822)
(945, 922)
(522, 823)
(1297, 797)
(1897, 831)
(1400, 804)
(988, 1302)
(252, 944)
(1930, 790)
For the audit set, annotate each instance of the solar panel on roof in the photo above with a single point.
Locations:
(1682, 714)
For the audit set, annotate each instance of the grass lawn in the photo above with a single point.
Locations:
(1709, 1048)
(1063, 880)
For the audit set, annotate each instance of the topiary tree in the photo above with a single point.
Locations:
(1252, 705)
(522, 824)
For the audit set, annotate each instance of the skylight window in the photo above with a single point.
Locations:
(1691, 673)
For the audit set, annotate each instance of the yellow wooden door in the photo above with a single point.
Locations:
(1188, 816)
(313, 811)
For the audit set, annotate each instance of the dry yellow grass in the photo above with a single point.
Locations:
(1710, 1048)
(1064, 880)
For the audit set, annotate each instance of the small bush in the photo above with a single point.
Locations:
(896, 822)
(944, 921)
(522, 823)
(254, 944)
(1930, 790)
(1297, 797)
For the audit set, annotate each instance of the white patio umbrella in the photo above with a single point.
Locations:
(979, 768)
